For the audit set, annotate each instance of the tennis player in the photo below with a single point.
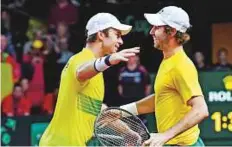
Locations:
(178, 102)
(81, 89)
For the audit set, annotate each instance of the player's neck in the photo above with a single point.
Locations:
(171, 50)
(96, 49)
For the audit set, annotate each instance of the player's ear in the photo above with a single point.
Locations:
(173, 32)
(100, 35)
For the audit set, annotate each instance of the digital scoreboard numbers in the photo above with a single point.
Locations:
(217, 90)
(222, 122)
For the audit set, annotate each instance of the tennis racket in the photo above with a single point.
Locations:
(117, 127)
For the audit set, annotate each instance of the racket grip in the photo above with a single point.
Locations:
(131, 107)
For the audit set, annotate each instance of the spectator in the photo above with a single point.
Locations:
(223, 63)
(62, 44)
(27, 69)
(8, 46)
(54, 36)
(64, 52)
(16, 104)
(15, 37)
(6, 58)
(63, 11)
(6, 20)
(37, 35)
(134, 81)
(50, 102)
(199, 60)
(62, 30)
(36, 90)
(24, 83)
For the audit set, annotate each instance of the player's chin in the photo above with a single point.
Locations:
(115, 49)
(156, 46)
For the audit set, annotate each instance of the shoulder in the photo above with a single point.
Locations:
(142, 69)
(185, 66)
(79, 57)
(122, 69)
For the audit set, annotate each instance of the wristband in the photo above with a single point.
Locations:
(107, 60)
(100, 64)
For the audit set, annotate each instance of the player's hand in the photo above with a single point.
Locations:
(156, 139)
(109, 117)
(123, 55)
(103, 107)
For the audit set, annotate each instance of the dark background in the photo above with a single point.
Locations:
(202, 15)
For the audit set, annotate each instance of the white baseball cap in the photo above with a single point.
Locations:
(103, 21)
(173, 16)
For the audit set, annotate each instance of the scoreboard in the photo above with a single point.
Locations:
(217, 89)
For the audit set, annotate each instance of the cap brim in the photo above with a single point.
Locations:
(125, 29)
(154, 19)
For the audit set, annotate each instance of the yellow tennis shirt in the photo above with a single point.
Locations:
(77, 106)
(176, 82)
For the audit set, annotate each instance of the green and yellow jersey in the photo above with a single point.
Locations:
(77, 106)
(176, 82)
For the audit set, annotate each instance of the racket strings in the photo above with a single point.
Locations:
(116, 137)
(134, 123)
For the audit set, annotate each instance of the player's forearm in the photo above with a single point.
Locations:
(192, 118)
(143, 106)
(86, 71)
(146, 105)
(92, 68)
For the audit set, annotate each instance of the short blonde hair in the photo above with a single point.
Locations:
(181, 38)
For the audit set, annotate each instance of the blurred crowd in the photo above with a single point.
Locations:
(222, 64)
(35, 58)
(32, 61)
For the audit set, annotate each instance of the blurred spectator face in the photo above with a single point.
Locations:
(62, 29)
(5, 15)
(18, 92)
(133, 60)
(63, 44)
(38, 34)
(25, 84)
(3, 43)
(199, 57)
(222, 56)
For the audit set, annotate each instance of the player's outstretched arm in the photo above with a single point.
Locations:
(198, 112)
(143, 106)
(93, 67)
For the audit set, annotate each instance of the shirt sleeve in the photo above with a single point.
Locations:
(73, 66)
(186, 82)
